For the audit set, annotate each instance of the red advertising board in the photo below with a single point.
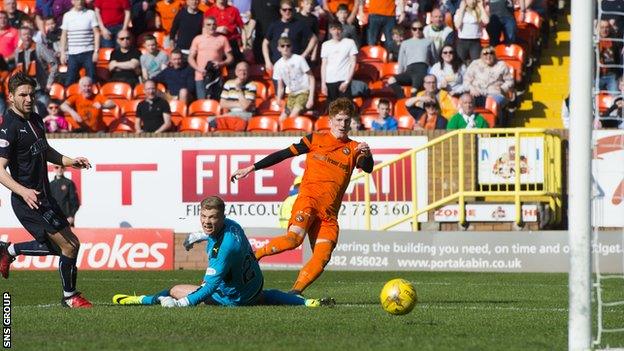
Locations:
(106, 249)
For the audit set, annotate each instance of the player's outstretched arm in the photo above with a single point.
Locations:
(266, 162)
(55, 157)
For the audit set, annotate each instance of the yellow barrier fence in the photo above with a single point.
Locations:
(456, 176)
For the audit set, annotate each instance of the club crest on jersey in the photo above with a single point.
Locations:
(4, 143)
(346, 151)
(299, 218)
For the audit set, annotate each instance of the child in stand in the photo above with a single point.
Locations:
(384, 121)
(393, 46)
(55, 122)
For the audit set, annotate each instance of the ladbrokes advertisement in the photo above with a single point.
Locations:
(158, 182)
(110, 249)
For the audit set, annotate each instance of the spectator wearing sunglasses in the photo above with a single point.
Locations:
(125, 61)
(488, 76)
(449, 71)
(302, 38)
(415, 56)
(55, 122)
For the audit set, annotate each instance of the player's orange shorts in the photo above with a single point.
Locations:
(317, 226)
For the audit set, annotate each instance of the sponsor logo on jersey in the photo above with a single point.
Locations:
(211, 271)
(38, 147)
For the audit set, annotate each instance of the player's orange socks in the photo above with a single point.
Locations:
(314, 267)
(279, 244)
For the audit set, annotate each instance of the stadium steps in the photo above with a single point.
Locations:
(541, 104)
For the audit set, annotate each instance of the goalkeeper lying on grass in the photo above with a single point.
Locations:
(233, 276)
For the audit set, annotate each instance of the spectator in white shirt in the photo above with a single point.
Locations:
(338, 57)
(293, 73)
(80, 41)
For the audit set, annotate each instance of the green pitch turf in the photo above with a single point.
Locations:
(456, 311)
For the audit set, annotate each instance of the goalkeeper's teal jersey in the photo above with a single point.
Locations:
(233, 276)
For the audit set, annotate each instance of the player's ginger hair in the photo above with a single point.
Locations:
(341, 105)
(213, 202)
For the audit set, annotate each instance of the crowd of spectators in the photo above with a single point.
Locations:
(609, 33)
(307, 53)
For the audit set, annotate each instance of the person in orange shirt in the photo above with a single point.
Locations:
(86, 108)
(208, 47)
(331, 159)
(166, 10)
(382, 16)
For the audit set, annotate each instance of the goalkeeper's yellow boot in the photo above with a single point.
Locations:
(326, 301)
(122, 299)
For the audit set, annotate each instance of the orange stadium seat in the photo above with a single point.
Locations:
(489, 112)
(121, 125)
(322, 124)
(194, 124)
(370, 106)
(116, 90)
(405, 122)
(178, 111)
(400, 109)
(389, 69)
(26, 6)
(204, 107)
(230, 124)
(262, 124)
(604, 101)
(104, 55)
(261, 90)
(269, 106)
(57, 91)
(297, 124)
(63, 69)
(111, 114)
(178, 108)
(358, 102)
(129, 109)
(75, 89)
(373, 53)
(139, 93)
(510, 52)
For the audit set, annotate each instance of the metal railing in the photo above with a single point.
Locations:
(476, 165)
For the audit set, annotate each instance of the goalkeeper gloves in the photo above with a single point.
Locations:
(193, 238)
(168, 301)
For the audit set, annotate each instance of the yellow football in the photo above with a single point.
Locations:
(398, 297)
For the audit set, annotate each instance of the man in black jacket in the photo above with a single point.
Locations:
(64, 192)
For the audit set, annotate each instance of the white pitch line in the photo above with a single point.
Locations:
(477, 308)
(425, 306)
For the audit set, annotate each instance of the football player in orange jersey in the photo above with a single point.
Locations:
(330, 161)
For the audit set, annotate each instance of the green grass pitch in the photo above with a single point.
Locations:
(456, 311)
